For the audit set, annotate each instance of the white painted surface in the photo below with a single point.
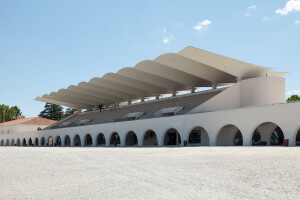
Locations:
(245, 119)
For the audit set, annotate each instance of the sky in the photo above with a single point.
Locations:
(49, 45)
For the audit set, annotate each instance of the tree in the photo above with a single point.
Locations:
(9, 113)
(70, 111)
(52, 111)
(293, 98)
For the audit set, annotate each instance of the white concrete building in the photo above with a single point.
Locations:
(19, 126)
(245, 105)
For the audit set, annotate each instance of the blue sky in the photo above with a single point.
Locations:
(48, 45)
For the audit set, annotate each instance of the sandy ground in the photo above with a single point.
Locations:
(150, 173)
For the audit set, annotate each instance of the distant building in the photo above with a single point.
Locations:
(225, 102)
(22, 125)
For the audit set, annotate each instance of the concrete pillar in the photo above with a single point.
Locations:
(129, 101)
(117, 104)
(193, 90)
(62, 138)
(72, 141)
(160, 138)
(142, 99)
(82, 140)
(214, 85)
(247, 137)
(157, 96)
(174, 94)
(94, 138)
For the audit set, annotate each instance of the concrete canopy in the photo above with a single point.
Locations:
(190, 68)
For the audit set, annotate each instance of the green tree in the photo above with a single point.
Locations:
(293, 98)
(9, 113)
(52, 111)
(70, 111)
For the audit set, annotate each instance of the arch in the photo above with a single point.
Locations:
(101, 139)
(88, 140)
(67, 141)
(229, 135)
(115, 139)
(298, 138)
(24, 143)
(57, 141)
(267, 133)
(150, 138)
(7, 142)
(198, 137)
(13, 143)
(172, 137)
(50, 141)
(2, 142)
(131, 139)
(43, 141)
(18, 142)
(30, 142)
(36, 141)
(77, 141)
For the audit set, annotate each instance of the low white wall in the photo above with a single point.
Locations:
(249, 92)
(245, 119)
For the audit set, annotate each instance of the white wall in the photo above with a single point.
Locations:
(245, 119)
(249, 92)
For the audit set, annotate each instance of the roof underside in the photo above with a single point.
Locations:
(188, 69)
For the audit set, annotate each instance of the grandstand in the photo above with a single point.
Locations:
(244, 104)
(150, 109)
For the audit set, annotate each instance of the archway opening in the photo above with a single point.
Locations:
(230, 135)
(88, 140)
(198, 137)
(267, 133)
(18, 142)
(131, 139)
(77, 141)
(24, 142)
(13, 142)
(115, 139)
(101, 140)
(67, 141)
(50, 141)
(150, 138)
(30, 142)
(2, 142)
(58, 141)
(172, 137)
(43, 142)
(36, 142)
(298, 138)
(7, 142)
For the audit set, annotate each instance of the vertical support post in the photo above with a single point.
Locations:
(157, 97)
(214, 85)
(174, 93)
(193, 90)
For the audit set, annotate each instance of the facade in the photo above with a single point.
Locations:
(21, 125)
(242, 104)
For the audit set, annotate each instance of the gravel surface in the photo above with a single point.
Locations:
(150, 173)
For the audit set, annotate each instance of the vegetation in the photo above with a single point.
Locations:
(9, 113)
(55, 112)
(52, 111)
(293, 98)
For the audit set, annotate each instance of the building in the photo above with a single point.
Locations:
(226, 102)
(19, 126)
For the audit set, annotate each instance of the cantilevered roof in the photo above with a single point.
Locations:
(190, 68)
